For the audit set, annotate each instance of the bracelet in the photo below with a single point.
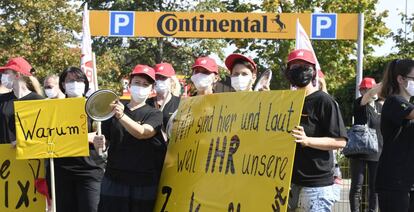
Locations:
(121, 116)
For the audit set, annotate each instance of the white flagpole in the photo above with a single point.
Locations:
(52, 178)
(98, 123)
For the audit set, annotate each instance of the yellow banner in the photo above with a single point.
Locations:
(231, 152)
(222, 25)
(17, 178)
(51, 128)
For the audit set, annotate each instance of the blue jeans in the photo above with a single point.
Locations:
(311, 199)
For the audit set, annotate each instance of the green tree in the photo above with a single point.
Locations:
(404, 38)
(40, 31)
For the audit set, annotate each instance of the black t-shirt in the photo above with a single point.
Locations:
(169, 108)
(321, 117)
(84, 167)
(361, 113)
(395, 167)
(8, 127)
(135, 161)
(6, 113)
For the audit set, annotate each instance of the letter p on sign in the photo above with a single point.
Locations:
(323, 26)
(121, 23)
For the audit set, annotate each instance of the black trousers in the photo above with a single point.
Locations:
(76, 193)
(396, 201)
(358, 168)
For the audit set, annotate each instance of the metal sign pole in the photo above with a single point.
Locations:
(360, 53)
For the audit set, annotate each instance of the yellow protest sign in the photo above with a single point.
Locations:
(231, 152)
(51, 128)
(222, 25)
(17, 178)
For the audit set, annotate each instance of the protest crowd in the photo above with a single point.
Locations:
(136, 135)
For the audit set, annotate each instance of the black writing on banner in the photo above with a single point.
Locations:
(183, 124)
(45, 132)
(226, 151)
(17, 183)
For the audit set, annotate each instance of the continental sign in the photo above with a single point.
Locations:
(222, 25)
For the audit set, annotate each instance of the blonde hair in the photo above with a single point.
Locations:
(32, 84)
(175, 86)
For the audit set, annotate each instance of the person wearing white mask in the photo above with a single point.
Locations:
(51, 86)
(16, 76)
(136, 149)
(78, 179)
(205, 75)
(243, 72)
(165, 100)
(395, 173)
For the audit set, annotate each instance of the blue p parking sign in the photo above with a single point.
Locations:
(323, 26)
(121, 23)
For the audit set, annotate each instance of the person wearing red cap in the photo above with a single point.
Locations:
(367, 111)
(395, 174)
(165, 100)
(16, 75)
(321, 130)
(243, 71)
(205, 74)
(136, 149)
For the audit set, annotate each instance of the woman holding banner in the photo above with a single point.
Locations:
(321, 130)
(17, 76)
(205, 75)
(136, 149)
(78, 179)
(395, 173)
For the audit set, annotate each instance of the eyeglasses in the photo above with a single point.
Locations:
(411, 78)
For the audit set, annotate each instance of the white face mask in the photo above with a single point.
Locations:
(241, 83)
(6, 82)
(162, 86)
(410, 87)
(140, 94)
(75, 89)
(202, 81)
(51, 93)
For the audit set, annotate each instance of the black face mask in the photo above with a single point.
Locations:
(300, 76)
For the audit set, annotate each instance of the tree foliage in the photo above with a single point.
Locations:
(40, 31)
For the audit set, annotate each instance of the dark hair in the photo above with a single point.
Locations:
(78, 73)
(396, 67)
(245, 63)
(146, 77)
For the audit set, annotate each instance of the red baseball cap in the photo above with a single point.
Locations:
(144, 70)
(207, 63)
(164, 69)
(301, 54)
(18, 64)
(367, 83)
(234, 57)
